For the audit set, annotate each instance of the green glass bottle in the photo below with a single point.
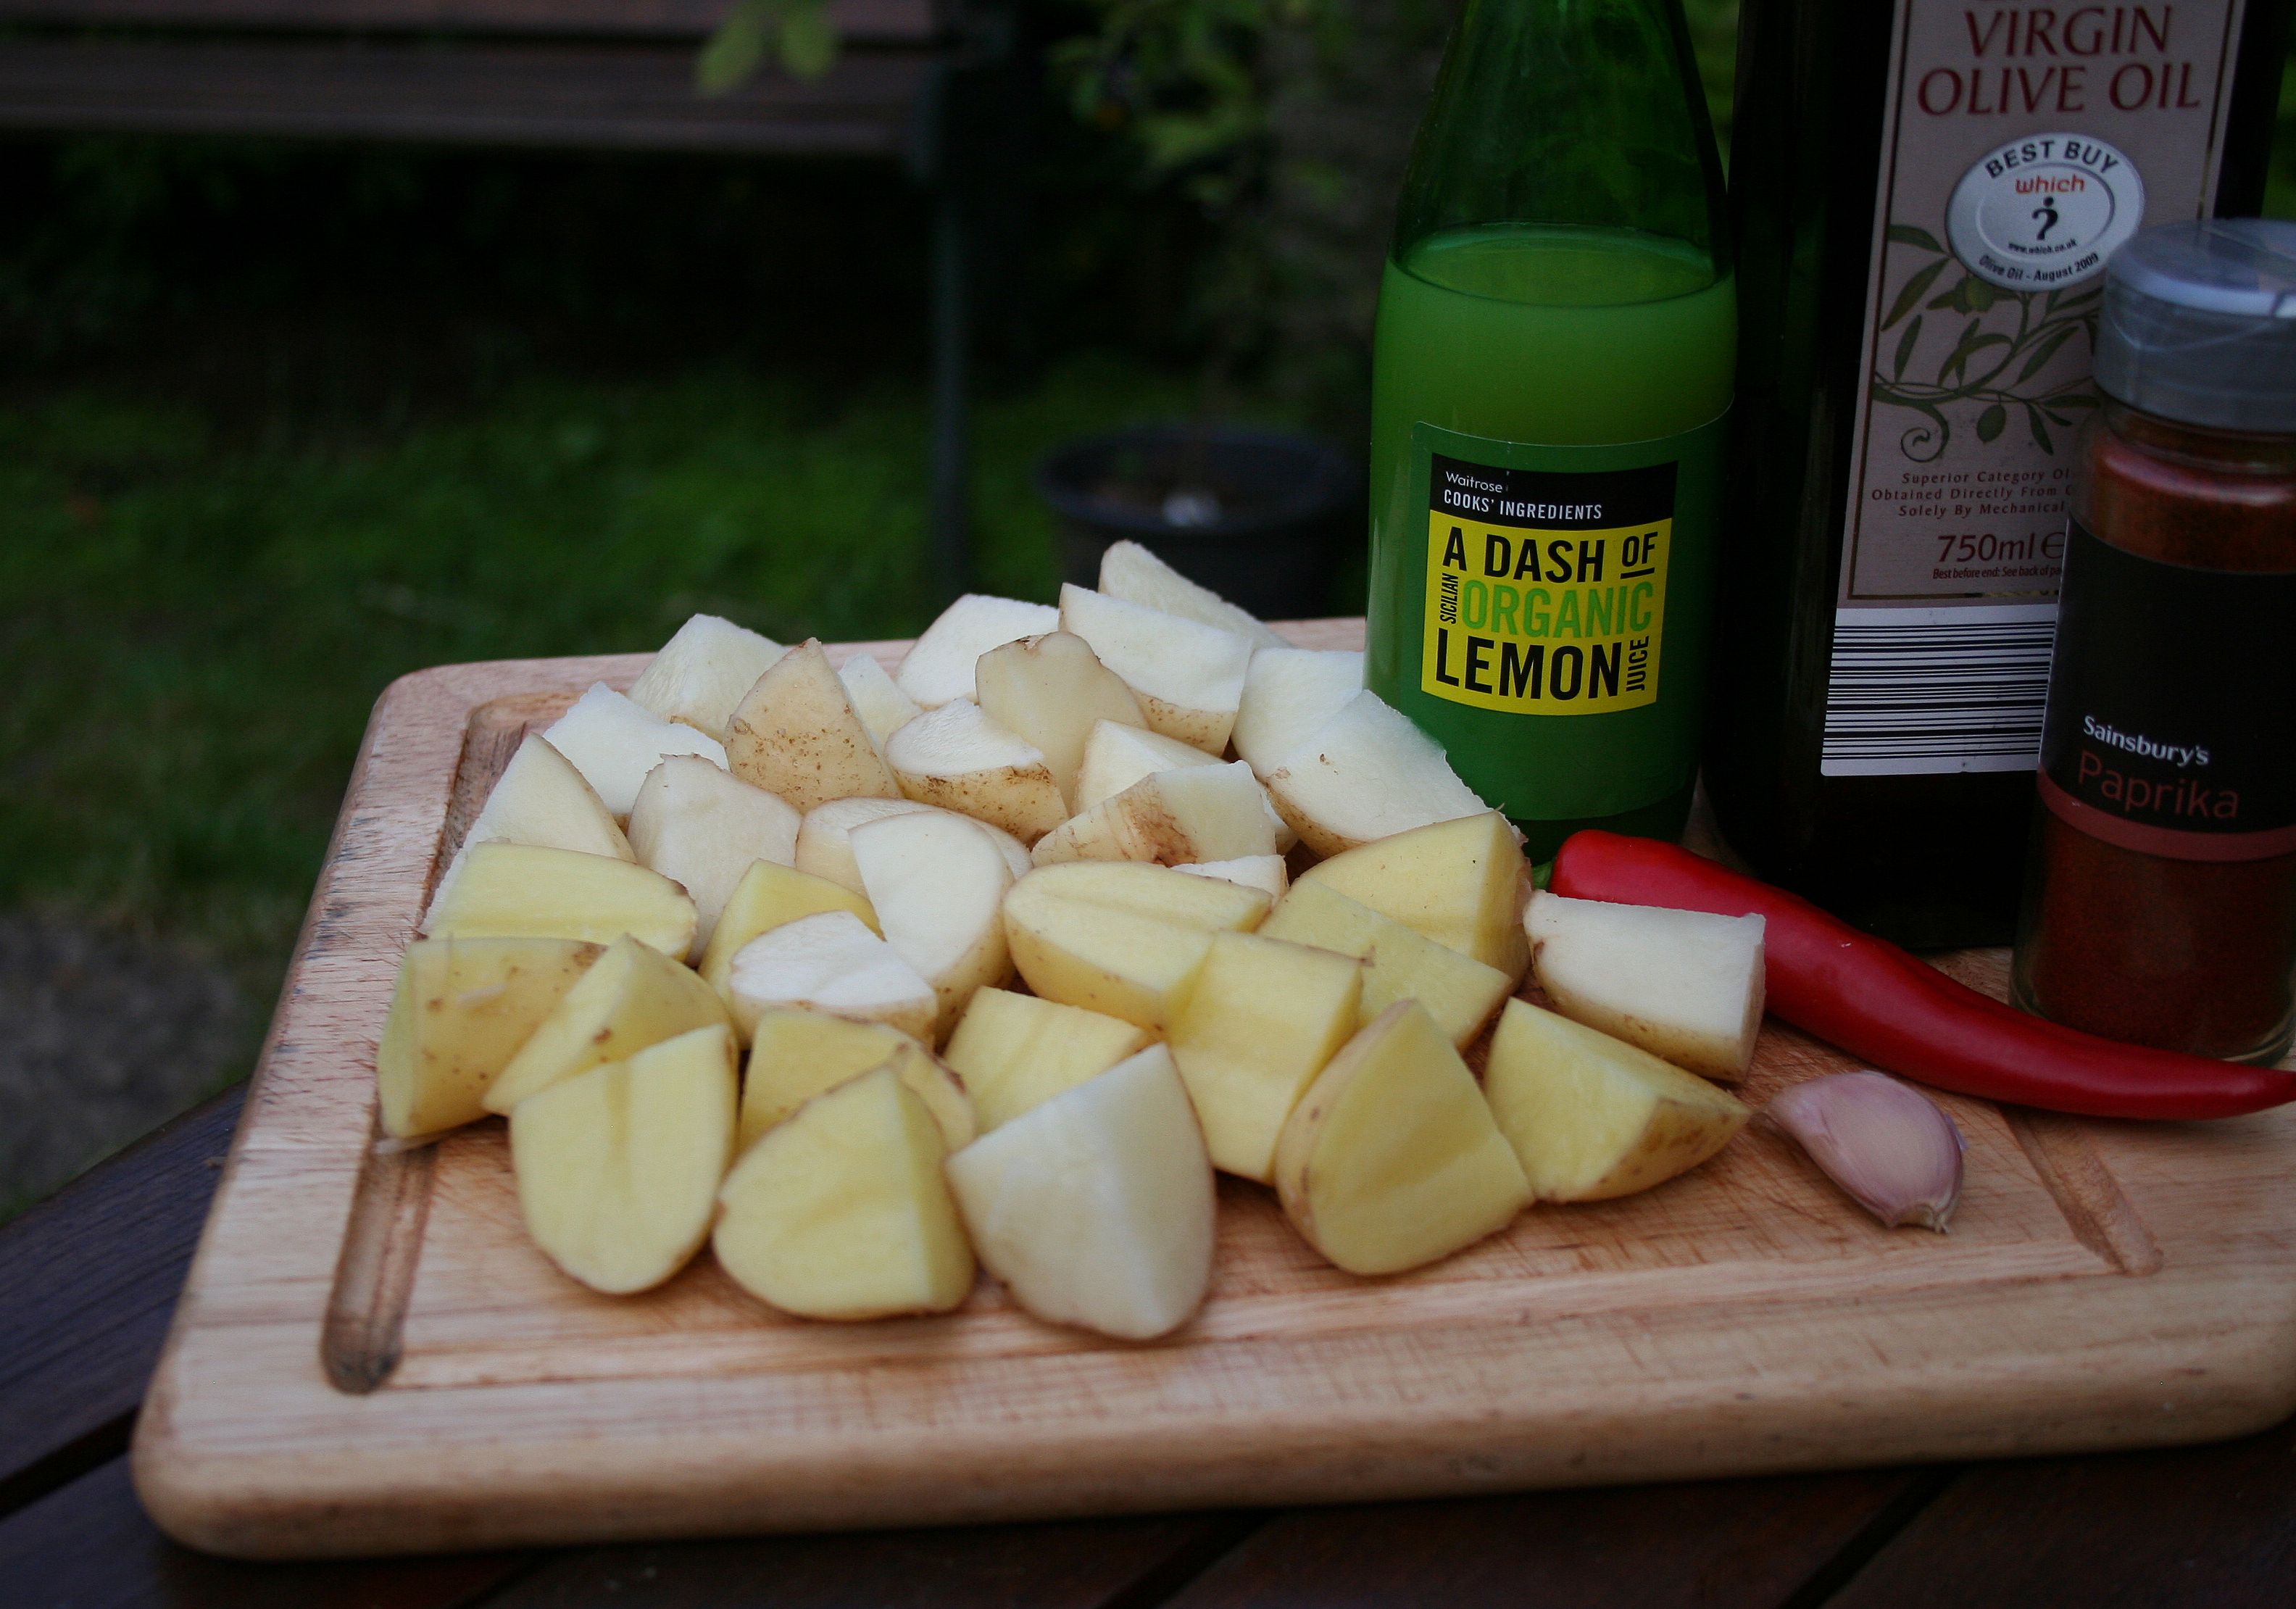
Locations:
(1552, 377)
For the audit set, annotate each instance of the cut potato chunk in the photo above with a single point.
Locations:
(1188, 676)
(701, 673)
(1050, 691)
(1116, 755)
(539, 799)
(1256, 1025)
(1458, 992)
(830, 962)
(1197, 813)
(518, 890)
(614, 743)
(617, 1168)
(1459, 882)
(770, 895)
(1391, 1159)
(1288, 695)
(958, 759)
(883, 707)
(1096, 1208)
(1366, 774)
(937, 882)
(1133, 573)
(939, 666)
(794, 1056)
(797, 734)
(825, 845)
(1120, 937)
(701, 828)
(1591, 1117)
(1015, 1052)
(463, 1007)
(1686, 985)
(633, 996)
(1265, 873)
(841, 1210)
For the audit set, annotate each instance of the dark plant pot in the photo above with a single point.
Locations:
(1261, 517)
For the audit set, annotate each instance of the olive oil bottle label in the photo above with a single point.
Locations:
(1546, 588)
(2021, 144)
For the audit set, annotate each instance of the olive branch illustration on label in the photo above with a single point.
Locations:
(1978, 368)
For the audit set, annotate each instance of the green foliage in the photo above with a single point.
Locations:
(798, 32)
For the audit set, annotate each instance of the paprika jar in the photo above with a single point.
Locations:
(2161, 897)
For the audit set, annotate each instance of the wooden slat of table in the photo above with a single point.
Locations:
(1723, 1545)
(88, 1281)
(2213, 1525)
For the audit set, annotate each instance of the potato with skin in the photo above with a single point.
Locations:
(1458, 882)
(462, 1008)
(1288, 693)
(1133, 573)
(1458, 992)
(824, 840)
(768, 896)
(880, 702)
(1051, 691)
(1200, 812)
(540, 798)
(939, 665)
(1097, 1207)
(795, 1055)
(797, 734)
(830, 962)
(1188, 676)
(958, 759)
(1391, 1159)
(1686, 985)
(617, 1168)
(1591, 1117)
(1256, 1024)
(841, 1210)
(632, 995)
(614, 743)
(703, 671)
(521, 890)
(1015, 1052)
(1119, 937)
(1366, 774)
(938, 882)
(1265, 873)
(702, 829)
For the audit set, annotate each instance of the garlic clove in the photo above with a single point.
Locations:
(1889, 1147)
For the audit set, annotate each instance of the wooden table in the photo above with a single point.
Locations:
(88, 1281)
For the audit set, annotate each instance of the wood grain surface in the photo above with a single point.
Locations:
(370, 1356)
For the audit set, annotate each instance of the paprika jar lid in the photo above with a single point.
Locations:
(2199, 325)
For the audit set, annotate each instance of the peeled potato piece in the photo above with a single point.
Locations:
(703, 671)
(1686, 985)
(1116, 755)
(617, 1168)
(540, 798)
(830, 962)
(841, 1210)
(1096, 1208)
(936, 883)
(797, 734)
(883, 707)
(1188, 676)
(1391, 1159)
(825, 842)
(1591, 1117)
(1288, 693)
(1366, 774)
(614, 743)
(701, 828)
(939, 666)
(1131, 573)
(633, 996)
(1458, 992)
(768, 896)
(1265, 873)
(462, 1008)
(796, 1055)
(518, 890)
(1015, 1052)
(1459, 882)
(1119, 937)
(958, 759)
(1256, 1025)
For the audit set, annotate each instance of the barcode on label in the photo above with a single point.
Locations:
(1958, 688)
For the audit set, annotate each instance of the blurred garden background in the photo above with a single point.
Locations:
(285, 421)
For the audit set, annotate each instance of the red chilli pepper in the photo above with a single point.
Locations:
(1886, 1006)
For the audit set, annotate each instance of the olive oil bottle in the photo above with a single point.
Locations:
(1552, 377)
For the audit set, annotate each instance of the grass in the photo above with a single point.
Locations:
(193, 632)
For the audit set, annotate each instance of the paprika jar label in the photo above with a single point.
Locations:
(2020, 146)
(2172, 706)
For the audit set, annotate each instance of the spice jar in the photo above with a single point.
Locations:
(2160, 903)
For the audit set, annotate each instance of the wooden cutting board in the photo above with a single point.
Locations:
(370, 1357)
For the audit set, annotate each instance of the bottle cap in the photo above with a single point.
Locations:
(2199, 325)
